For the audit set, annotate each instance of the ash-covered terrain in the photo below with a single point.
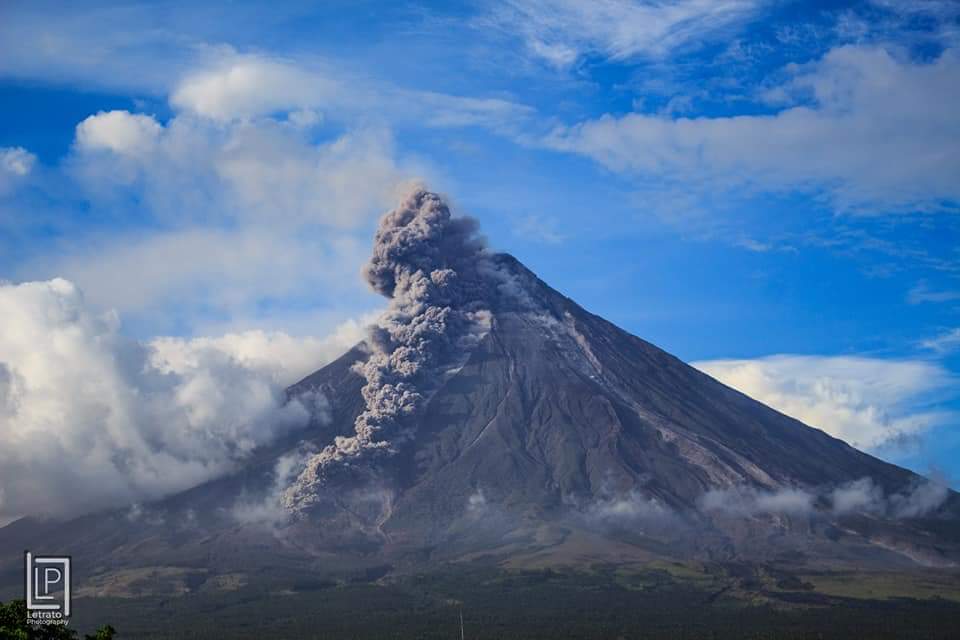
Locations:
(488, 418)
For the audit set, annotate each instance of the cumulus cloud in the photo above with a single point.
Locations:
(91, 419)
(864, 401)
(873, 130)
(234, 215)
(119, 131)
(561, 32)
(16, 161)
(268, 172)
(238, 201)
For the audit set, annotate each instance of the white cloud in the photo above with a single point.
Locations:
(179, 278)
(342, 182)
(185, 56)
(251, 86)
(872, 130)
(279, 356)
(864, 401)
(192, 170)
(946, 342)
(125, 50)
(119, 131)
(91, 419)
(16, 161)
(562, 31)
(239, 213)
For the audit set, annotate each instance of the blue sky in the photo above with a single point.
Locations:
(768, 189)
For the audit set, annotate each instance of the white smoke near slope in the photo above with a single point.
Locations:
(267, 510)
(441, 283)
(863, 496)
(631, 507)
(91, 419)
(859, 496)
(747, 501)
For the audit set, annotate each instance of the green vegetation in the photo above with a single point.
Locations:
(884, 586)
(13, 626)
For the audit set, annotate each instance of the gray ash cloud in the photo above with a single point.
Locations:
(443, 285)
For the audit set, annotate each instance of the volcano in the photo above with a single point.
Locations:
(487, 415)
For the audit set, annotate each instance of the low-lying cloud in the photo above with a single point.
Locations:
(864, 496)
(267, 510)
(92, 419)
(630, 507)
(747, 501)
(859, 496)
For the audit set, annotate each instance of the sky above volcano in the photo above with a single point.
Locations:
(770, 190)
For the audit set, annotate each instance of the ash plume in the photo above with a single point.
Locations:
(442, 283)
